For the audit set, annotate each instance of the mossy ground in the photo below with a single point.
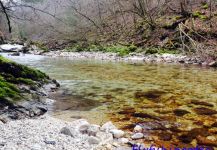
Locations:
(13, 74)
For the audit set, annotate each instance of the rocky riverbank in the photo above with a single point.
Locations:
(24, 92)
(134, 57)
(49, 133)
(109, 56)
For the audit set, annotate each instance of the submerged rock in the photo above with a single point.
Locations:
(197, 102)
(189, 136)
(205, 111)
(151, 95)
(206, 141)
(180, 112)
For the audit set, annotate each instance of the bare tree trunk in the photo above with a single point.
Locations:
(6, 15)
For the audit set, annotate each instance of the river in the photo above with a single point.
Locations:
(174, 103)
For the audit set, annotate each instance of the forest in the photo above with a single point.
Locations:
(115, 25)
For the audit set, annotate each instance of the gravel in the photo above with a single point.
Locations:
(42, 133)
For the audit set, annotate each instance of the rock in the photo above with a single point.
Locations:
(15, 54)
(108, 126)
(206, 142)
(123, 140)
(117, 133)
(137, 136)
(105, 137)
(92, 130)
(180, 112)
(153, 95)
(50, 142)
(205, 111)
(83, 127)
(137, 129)
(213, 64)
(66, 131)
(36, 147)
(11, 48)
(197, 102)
(93, 140)
(38, 111)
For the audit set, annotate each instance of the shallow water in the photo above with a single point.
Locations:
(175, 104)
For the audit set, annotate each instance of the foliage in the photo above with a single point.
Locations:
(154, 50)
(119, 49)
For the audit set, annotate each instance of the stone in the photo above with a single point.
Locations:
(137, 129)
(123, 140)
(180, 112)
(197, 102)
(108, 126)
(50, 142)
(205, 111)
(36, 147)
(117, 133)
(105, 137)
(15, 54)
(66, 131)
(93, 140)
(83, 127)
(137, 136)
(213, 64)
(92, 130)
(206, 142)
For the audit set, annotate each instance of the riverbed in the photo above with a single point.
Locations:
(175, 104)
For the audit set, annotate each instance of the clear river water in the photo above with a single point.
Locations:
(175, 104)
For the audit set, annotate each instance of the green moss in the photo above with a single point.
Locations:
(8, 92)
(19, 71)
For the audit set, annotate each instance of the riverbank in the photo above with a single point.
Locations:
(49, 133)
(134, 57)
(24, 92)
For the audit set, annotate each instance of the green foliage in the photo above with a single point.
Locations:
(120, 49)
(205, 5)
(41, 46)
(200, 15)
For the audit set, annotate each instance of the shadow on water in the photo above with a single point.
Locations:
(66, 102)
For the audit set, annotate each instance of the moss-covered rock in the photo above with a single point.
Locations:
(12, 75)
(12, 69)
